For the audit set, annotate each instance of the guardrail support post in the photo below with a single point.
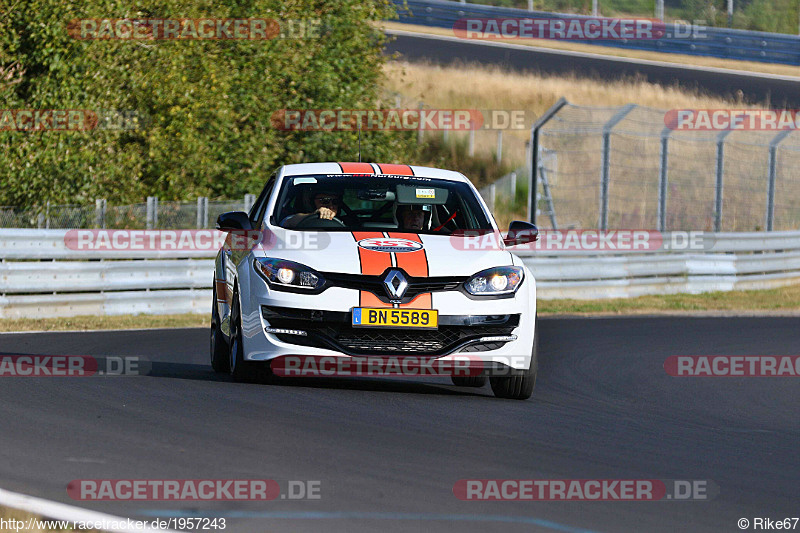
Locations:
(533, 156)
(720, 169)
(202, 212)
(152, 212)
(605, 170)
(100, 213)
(773, 157)
(662, 180)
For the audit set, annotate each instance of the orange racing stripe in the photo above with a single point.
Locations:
(398, 170)
(372, 264)
(414, 264)
(357, 168)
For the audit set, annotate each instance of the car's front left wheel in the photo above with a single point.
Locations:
(519, 386)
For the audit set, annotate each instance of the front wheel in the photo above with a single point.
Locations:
(219, 348)
(519, 387)
(239, 368)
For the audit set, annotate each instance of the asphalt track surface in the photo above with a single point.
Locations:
(783, 91)
(388, 451)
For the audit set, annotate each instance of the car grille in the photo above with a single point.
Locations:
(332, 330)
(374, 284)
(397, 341)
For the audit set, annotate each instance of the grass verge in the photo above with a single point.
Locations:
(782, 300)
(81, 323)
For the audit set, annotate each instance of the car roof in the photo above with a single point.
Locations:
(375, 169)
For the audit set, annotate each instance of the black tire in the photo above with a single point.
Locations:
(219, 346)
(240, 369)
(469, 381)
(520, 386)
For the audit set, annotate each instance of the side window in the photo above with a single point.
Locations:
(257, 213)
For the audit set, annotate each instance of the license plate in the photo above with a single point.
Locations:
(395, 318)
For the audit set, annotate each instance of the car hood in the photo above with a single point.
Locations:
(371, 252)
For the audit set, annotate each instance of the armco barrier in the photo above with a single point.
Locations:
(702, 41)
(41, 277)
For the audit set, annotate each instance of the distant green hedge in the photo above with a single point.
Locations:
(207, 104)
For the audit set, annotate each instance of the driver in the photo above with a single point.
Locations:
(325, 204)
(414, 217)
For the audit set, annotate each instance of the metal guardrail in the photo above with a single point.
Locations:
(41, 277)
(692, 40)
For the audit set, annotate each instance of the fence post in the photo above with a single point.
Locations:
(492, 197)
(47, 216)
(605, 170)
(249, 200)
(152, 212)
(100, 213)
(202, 212)
(499, 146)
(420, 132)
(513, 187)
(773, 156)
(662, 180)
(534, 156)
(720, 169)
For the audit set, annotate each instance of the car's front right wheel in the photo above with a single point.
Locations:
(219, 348)
(239, 368)
(519, 386)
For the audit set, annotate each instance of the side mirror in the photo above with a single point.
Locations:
(520, 232)
(233, 221)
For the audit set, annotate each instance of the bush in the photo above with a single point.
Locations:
(207, 104)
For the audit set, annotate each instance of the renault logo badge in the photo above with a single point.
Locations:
(396, 284)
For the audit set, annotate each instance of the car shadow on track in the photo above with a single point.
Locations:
(111, 367)
(204, 373)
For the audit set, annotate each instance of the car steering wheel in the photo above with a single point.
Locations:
(317, 222)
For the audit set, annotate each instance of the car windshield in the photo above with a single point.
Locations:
(385, 203)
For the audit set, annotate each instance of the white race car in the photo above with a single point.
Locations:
(354, 260)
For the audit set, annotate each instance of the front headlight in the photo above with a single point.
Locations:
(281, 273)
(495, 281)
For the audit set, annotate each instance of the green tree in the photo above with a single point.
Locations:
(206, 105)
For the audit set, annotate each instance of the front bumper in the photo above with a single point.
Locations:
(498, 332)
